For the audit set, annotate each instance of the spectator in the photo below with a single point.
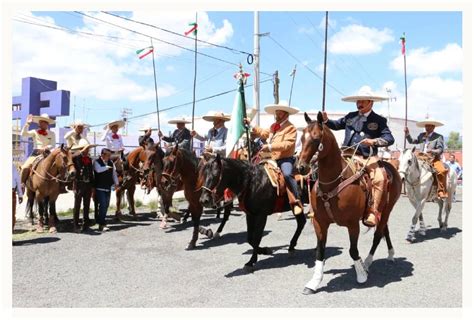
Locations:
(16, 190)
(454, 166)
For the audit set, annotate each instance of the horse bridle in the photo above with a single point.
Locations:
(51, 177)
(213, 191)
(415, 163)
(171, 177)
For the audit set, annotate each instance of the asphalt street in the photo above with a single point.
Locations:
(137, 264)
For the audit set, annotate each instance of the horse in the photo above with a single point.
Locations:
(338, 197)
(420, 187)
(256, 194)
(133, 175)
(43, 183)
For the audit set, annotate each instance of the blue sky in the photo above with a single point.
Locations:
(434, 57)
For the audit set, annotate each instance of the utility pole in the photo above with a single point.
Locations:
(256, 54)
(276, 87)
(125, 113)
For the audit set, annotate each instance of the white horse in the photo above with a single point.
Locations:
(419, 187)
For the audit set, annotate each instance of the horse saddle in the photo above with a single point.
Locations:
(277, 179)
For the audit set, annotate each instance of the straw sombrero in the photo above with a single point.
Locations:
(365, 93)
(147, 127)
(178, 120)
(282, 106)
(119, 123)
(43, 117)
(431, 121)
(83, 145)
(215, 116)
(78, 123)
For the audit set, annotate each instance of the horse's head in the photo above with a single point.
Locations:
(408, 163)
(63, 163)
(170, 172)
(311, 142)
(152, 160)
(209, 180)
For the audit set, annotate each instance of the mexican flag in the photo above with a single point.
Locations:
(142, 53)
(194, 29)
(236, 126)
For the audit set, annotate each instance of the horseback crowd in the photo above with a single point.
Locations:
(342, 186)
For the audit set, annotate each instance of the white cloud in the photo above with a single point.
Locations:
(358, 39)
(170, 68)
(422, 62)
(441, 97)
(102, 68)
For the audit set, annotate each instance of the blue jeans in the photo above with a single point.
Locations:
(286, 166)
(103, 198)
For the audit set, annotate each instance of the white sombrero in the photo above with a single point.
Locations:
(43, 117)
(147, 127)
(119, 123)
(282, 106)
(83, 145)
(78, 123)
(178, 120)
(217, 115)
(431, 121)
(365, 93)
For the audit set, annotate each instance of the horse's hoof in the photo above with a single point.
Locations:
(422, 232)
(39, 230)
(368, 261)
(308, 291)
(249, 269)
(190, 246)
(291, 252)
(209, 233)
(217, 235)
(53, 230)
(444, 228)
(391, 255)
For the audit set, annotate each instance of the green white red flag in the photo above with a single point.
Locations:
(142, 53)
(402, 41)
(193, 29)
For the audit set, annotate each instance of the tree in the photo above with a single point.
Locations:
(454, 141)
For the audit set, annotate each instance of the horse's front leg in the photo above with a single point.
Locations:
(301, 221)
(52, 216)
(411, 233)
(227, 211)
(29, 208)
(359, 266)
(321, 230)
(196, 217)
(40, 226)
(130, 200)
(118, 203)
(258, 222)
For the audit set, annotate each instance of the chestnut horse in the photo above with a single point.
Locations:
(43, 183)
(339, 202)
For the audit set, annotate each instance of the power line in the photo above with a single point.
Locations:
(304, 65)
(178, 34)
(185, 104)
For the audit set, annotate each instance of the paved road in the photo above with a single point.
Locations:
(139, 265)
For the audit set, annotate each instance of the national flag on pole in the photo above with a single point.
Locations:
(236, 127)
(402, 41)
(142, 53)
(193, 29)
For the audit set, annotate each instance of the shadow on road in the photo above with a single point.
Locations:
(40, 240)
(381, 273)
(435, 233)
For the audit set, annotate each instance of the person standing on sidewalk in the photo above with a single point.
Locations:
(105, 178)
(16, 190)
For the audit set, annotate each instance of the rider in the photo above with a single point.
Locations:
(432, 144)
(368, 131)
(181, 136)
(281, 143)
(73, 137)
(216, 136)
(44, 141)
(146, 141)
(114, 143)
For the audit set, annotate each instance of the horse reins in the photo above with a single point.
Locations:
(52, 178)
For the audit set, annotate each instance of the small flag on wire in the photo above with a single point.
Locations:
(194, 29)
(402, 41)
(142, 53)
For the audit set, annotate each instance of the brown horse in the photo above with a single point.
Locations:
(44, 182)
(131, 177)
(341, 198)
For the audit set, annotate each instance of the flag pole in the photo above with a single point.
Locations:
(156, 90)
(293, 73)
(242, 95)
(195, 75)
(325, 61)
(406, 91)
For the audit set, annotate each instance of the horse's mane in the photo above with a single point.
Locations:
(187, 154)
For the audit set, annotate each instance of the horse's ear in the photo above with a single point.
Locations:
(307, 118)
(320, 118)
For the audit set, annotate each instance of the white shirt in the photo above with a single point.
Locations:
(425, 146)
(98, 168)
(112, 144)
(39, 141)
(16, 182)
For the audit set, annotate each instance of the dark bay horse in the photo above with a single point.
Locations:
(43, 183)
(256, 195)
(346, 205)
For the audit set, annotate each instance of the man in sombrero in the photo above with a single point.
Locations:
(432, 144)
(145, 140)
(368, 131)
(216, 136)
(73, 137)
(44, 141)
(181, 135)
(281, 143)
(114, 143)
(83, 184)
